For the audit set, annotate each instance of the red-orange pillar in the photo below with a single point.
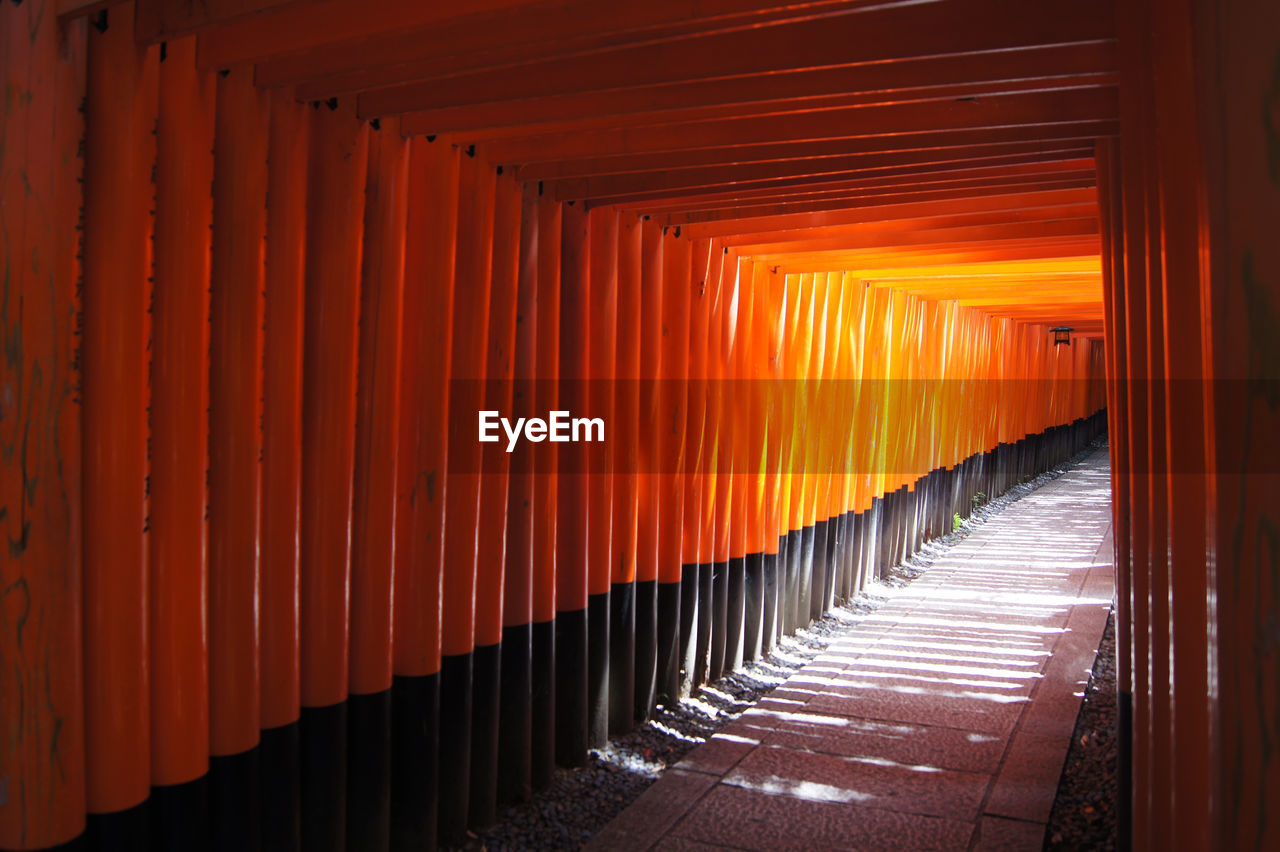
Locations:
(625, 439)
(426, 338)
(235, 447)
(121, 114)
(603, 287)
(546, 504)
(515, 728)
(673, 377)
(279, 616)
(40, 480)
(494, 484)
(337, 170)
(648, 462)
(462, 498)
(571, 526)
(375, 505)
(180, 446)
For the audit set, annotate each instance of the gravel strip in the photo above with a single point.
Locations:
(1084, 813)
(582, 801)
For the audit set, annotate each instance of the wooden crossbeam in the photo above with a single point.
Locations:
(938, 143)
(973, 73)
(751, 174)
(875, 215)
(938, 174)
(735, 213)
(1037, 109)
(876, 33)
(354, 35)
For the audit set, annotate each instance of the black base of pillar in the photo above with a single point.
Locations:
(571, 687)
(542, 709)
(369, 771)
(646, 651)
(180, 816)
(515, 726)
(120, 831)
(670, 604)
(486, 710)
(598, 670)
(415, 720)
(622, 657)
(454, 748)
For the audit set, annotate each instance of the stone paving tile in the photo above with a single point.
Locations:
(719, 754)
(656, 811)
(749, 819)
(949, 709)
(871, 782)
(996, 834)
(1028, 778)
(946, 748)
(940, 721)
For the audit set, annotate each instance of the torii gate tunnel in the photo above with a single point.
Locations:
(795, 273)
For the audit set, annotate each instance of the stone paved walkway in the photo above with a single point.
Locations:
(940, 721)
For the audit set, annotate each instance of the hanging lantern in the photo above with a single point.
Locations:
(1062, 334)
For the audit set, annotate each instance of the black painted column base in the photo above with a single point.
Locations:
(736, 605)
(120, 831)
(769, 618)
(486, 709)
(455, 748)
(369, 771)
(415, 721)
(670, 605)
(180, 816)
(278, 772)
(542, 708)
(598, 670)
(646, 649)
(515, 725)
(622, 657)
(571, 687)
(714, 589)
(689, 626)
(752, 606)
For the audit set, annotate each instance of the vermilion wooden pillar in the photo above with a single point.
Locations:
(603, 287)
(121, 106)
(373, 539)
(337, 171)
(462, 499)
(546, 501)
(515, 728)
(673, 378)
(40, 481)
(180, 449)
(279, 615)
(648, 510)
(493, 520)
(699, 481)
(1134, 213)
(738, 397)
(1236, 96)
(1182, 205)
(427, 336)
(571, 525)
(235, 447)
(625, 443)
(713, 598)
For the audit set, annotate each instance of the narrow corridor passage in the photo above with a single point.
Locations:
(940, 721)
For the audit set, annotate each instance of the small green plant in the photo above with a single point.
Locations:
(979, 499)
(956, 522)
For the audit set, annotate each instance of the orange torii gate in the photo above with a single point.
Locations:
(264, 585)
